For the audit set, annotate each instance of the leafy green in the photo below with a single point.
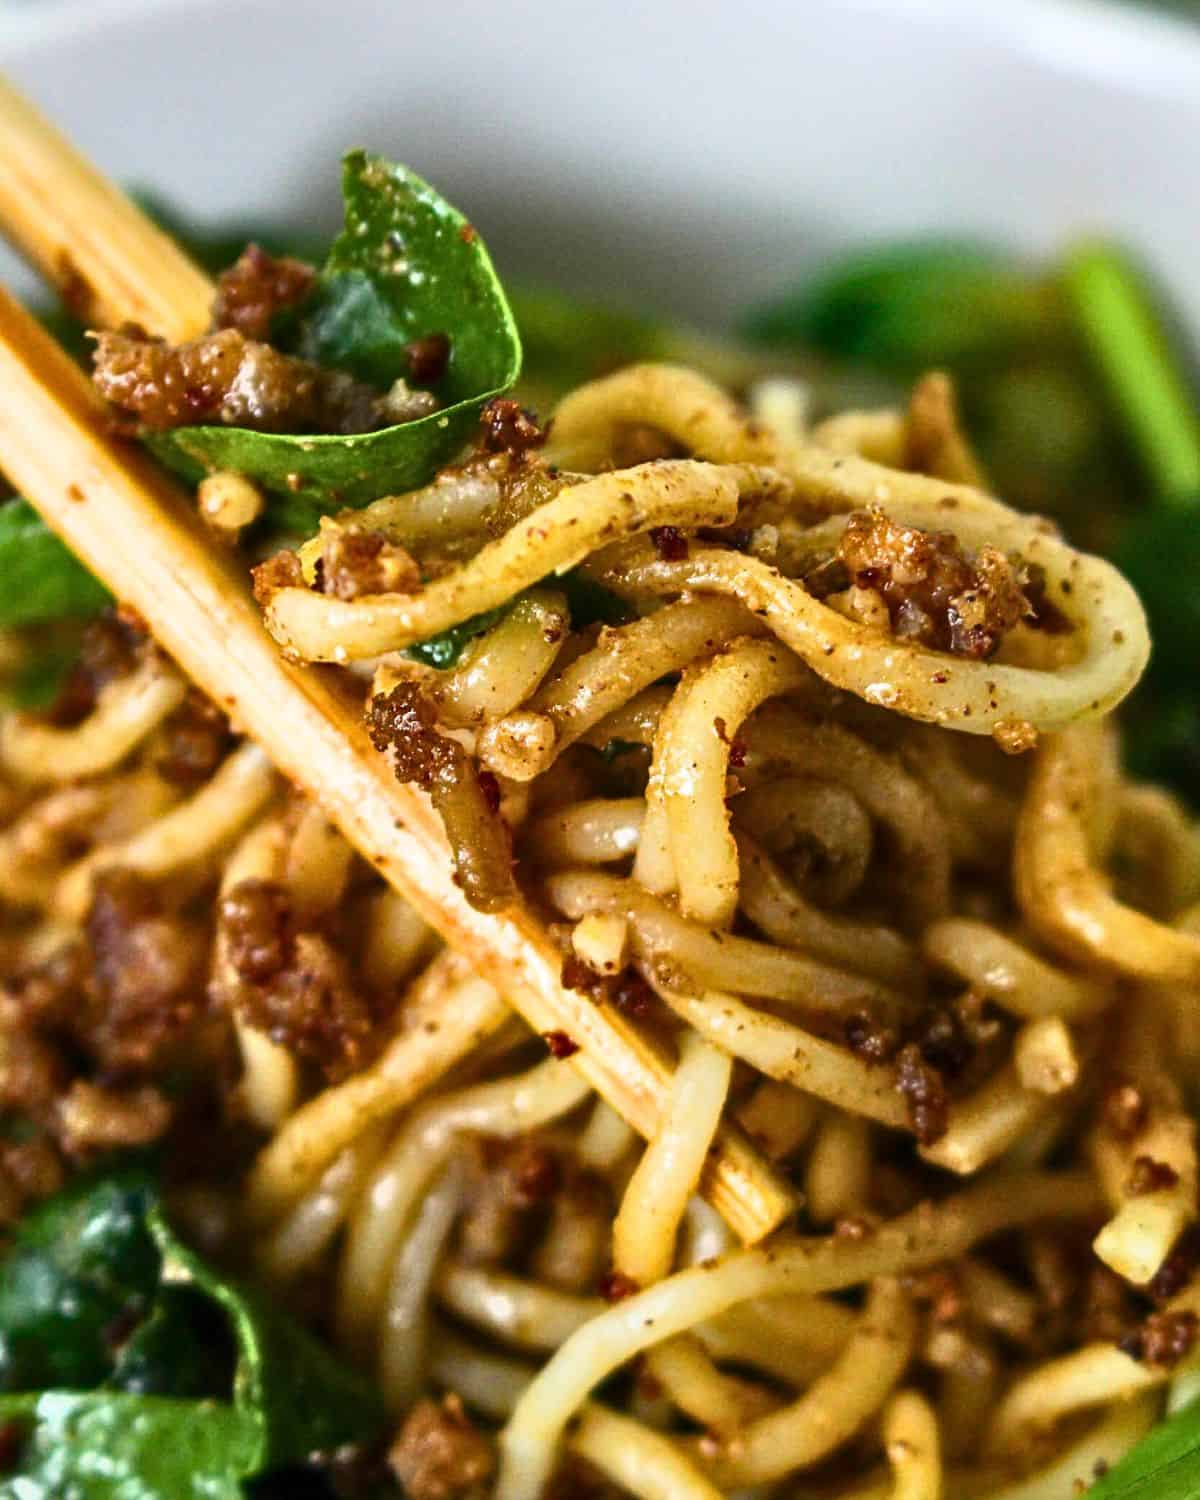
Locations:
(912, 305)
(591, 603)
(1116, 310)
(43, 579)
(144, 1373)
(444, 650)
(406, 266)
(81, 1263)
(1165, 1465)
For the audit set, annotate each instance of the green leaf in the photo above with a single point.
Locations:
(911, 305)
(444, 650)
(106, 1446)
(81, 1262)
(590, 602)
(307, 1398)
(406, 265)
(1159, 552)
(43, 579)
(1165, 1465)
(212, 1384)
(1144, 374)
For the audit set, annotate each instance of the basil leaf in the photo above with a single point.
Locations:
(308, 1399)
(212, 1384)
(43, 579)
(406, 265)
(591, 603)
(105, 1446)
(82, 1262)
(444, 650)
(913, 305)
(1165, 1465)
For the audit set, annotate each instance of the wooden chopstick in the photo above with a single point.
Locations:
(108, 261)
(139, 532)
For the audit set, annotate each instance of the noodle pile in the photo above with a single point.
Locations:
(889, 907)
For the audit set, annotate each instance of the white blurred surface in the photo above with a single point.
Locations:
(686, 154)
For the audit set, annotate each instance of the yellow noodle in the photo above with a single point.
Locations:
(448, 1013)
(1008, 973)
(1065, 896)
(653, 1206)
(638, 1458)
(927, 1235)
(837, 1174)
(492, 1383)
(504, 666)
(911, 1441)
(690, 1377)
(794, 1056)
(601, 830)
(125, 712)
(836, 1405)
(520, 1313)
(715, 959)
(778, 1118)
(190, 834)
(553, 538)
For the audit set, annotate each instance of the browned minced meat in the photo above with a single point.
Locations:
(225, 378)
(1149, 1176)
(1179, 1267)
(147, 968)
(669, 542)
(628, 991)
(506, 427)
(403, 721)
(111, 647)
(256, 287)
(295, 986)
(29, 1171)
(428, 358)
(869, 1039)
(1163, 1339)
(98, 1119)
(509, 1186)
(196, 739)
(440, 1455)
(281, 571)
(924, 1094)
(933, 591)
(355, 562)
(254, 918)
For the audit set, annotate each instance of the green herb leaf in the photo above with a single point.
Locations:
(207, 1382)
(106, 1446)
(308, 1400)
(407, 265)
(590, 602)
(81, 1262)
(444, 650)
(43, 579)
(1165, 1465)
(909, 306)
(1117, 310)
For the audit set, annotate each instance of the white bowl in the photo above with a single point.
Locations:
(687, 154)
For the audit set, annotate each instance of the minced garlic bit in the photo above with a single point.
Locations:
(601, 940)
(229, 502)
(1045, 1056)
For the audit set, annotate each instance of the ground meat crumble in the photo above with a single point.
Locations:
(355, 562)
(1163, 1339)
(257, 287)
(934, 592)
(440, 1455)
(295, 985)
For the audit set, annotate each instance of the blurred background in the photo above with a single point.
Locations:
(850, 192)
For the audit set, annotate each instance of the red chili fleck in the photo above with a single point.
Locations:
(615, 1286)
(560, 1044)
(670, 543)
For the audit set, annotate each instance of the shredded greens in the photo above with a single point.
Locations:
(134, 1368)
(405, 266)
